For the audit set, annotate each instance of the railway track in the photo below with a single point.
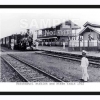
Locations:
(73, 57)
(3, 50)
(27, 72)
(9, 74)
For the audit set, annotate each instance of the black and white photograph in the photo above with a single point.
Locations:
(50, 45)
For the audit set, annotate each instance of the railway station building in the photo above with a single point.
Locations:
(55, 36)
(89, 38)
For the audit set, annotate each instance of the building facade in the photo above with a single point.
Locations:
(55, 36)
(89, 38)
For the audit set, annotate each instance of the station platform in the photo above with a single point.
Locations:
(60, 49)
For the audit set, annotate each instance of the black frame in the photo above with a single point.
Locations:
(49, 6)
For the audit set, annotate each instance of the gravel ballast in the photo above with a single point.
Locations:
(7, 74)
(65, 69)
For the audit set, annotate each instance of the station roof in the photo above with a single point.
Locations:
(92, 25)
(50, 29)
(69, 22)
(97, 30)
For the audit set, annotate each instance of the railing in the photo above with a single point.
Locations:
(53, 43)
(86, 43)
(58, 33)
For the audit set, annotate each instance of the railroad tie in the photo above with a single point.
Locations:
(41, 77)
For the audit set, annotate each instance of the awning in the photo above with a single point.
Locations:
(48, 38)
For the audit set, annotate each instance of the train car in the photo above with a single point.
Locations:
(18, 41)
(7, 42)
(99, 45)
(1, 41)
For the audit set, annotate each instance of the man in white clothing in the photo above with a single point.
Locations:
(84, 66)
(37, 45)
(63, 45)
(12, 46)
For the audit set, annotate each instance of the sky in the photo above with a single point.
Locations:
(14, 21)
(50, 97)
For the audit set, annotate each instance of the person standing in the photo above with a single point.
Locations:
(12, 46)
(84, 66)
(63, 45)
(37, 45)
(42, 43)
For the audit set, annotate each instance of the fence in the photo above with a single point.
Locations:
(52, 43)
(87, 45)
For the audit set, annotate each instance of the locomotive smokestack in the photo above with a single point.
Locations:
(28, 31)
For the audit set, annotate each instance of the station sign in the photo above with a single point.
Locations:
(64, 32)
(58, 33)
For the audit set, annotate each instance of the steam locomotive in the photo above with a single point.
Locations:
(20, 41)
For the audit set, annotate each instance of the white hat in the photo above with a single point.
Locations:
(84, 51)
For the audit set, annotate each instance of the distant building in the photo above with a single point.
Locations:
(58, 34)
(89, 38)
(90, 32)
